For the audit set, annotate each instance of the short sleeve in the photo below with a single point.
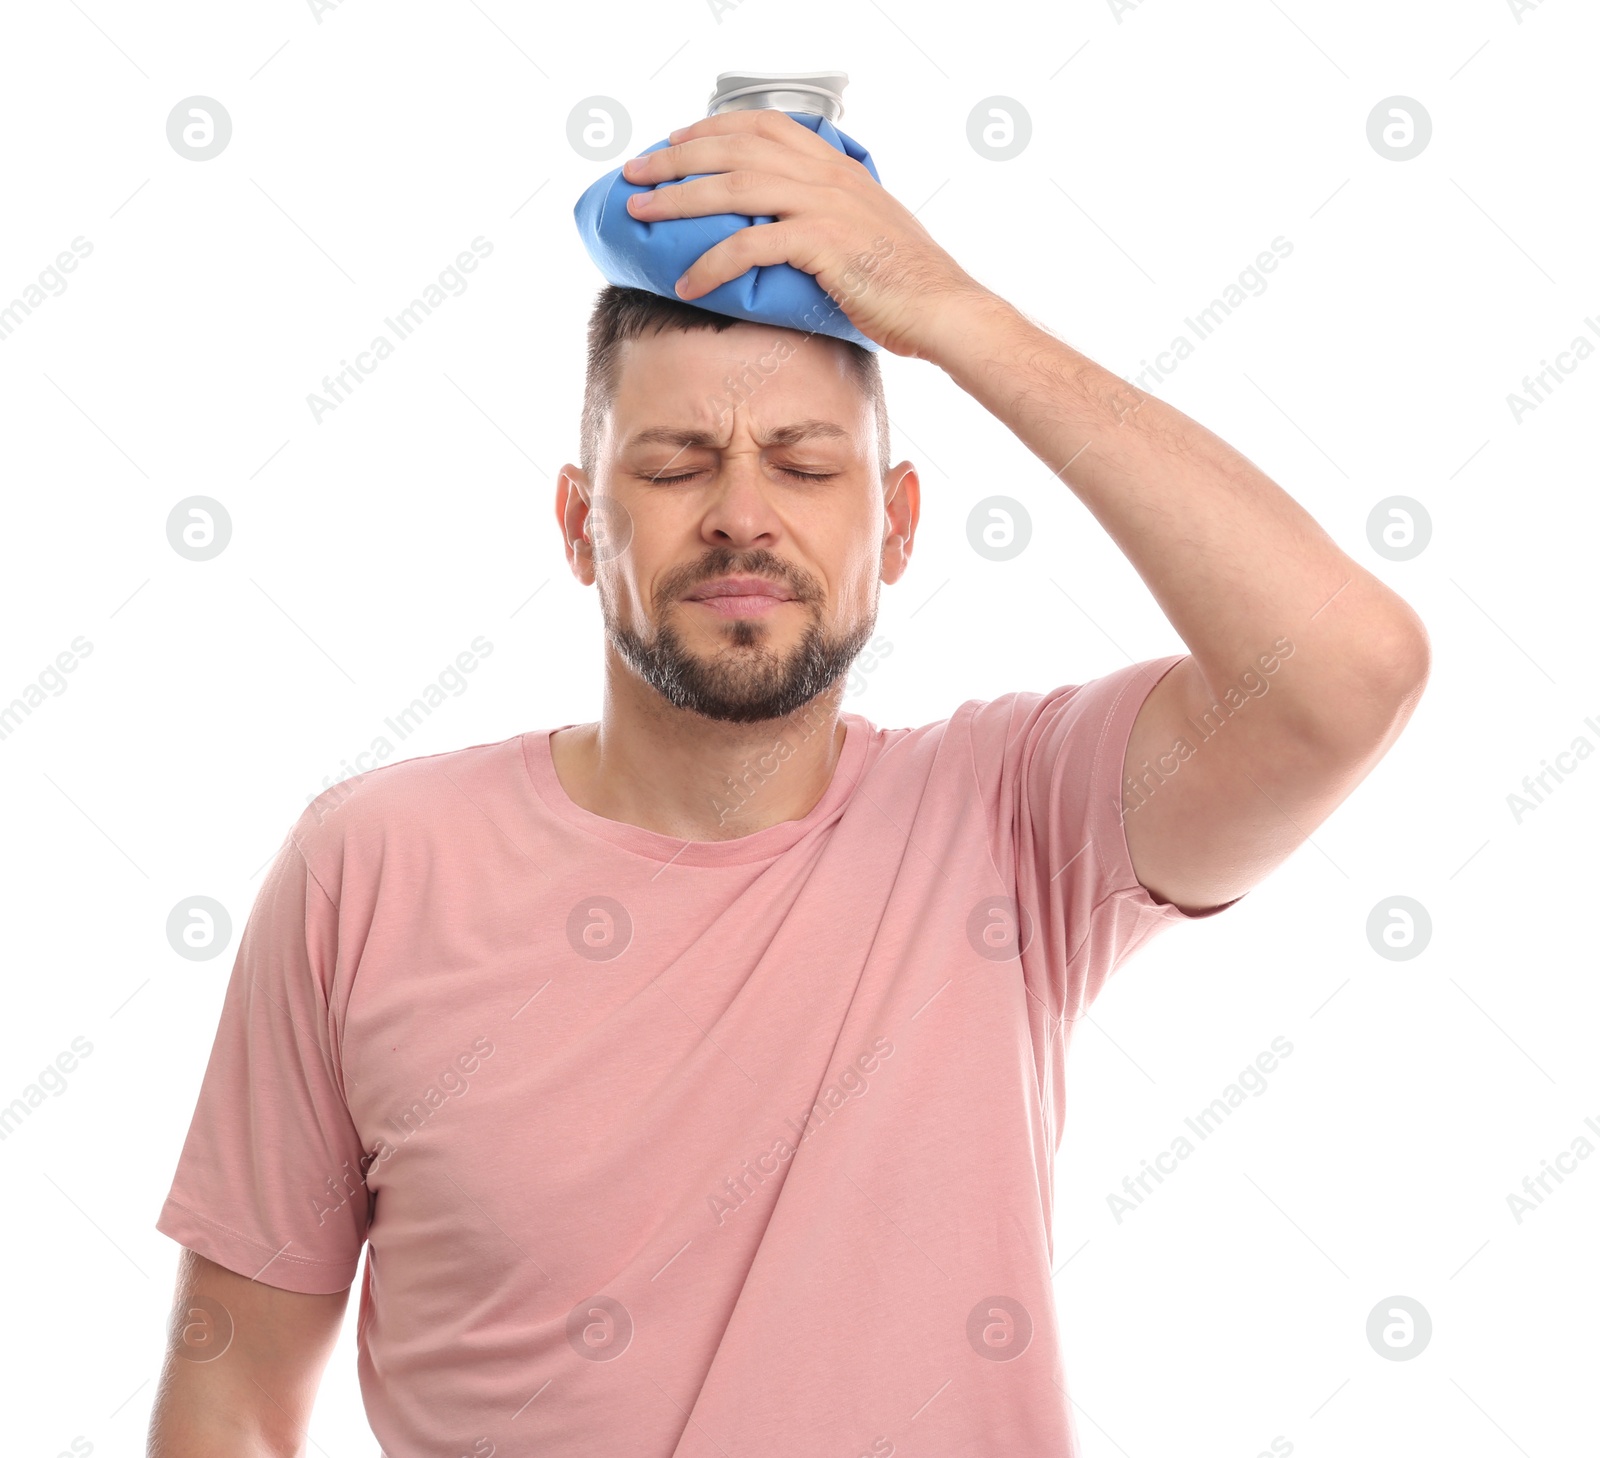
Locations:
(1049, 768)
(270, 1179)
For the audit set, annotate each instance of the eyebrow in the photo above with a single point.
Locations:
(784, 435)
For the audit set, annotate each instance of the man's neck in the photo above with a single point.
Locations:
(678, 774)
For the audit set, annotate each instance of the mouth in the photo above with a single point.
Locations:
(741, 597)
(741, 604)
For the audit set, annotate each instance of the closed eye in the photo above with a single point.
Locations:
(801, 475)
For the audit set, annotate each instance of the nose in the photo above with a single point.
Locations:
(739, 511)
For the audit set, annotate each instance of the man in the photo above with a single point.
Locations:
(694, 1076)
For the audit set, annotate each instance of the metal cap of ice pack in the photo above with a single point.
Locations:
(821, 92)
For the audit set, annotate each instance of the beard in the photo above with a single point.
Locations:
(743, 680)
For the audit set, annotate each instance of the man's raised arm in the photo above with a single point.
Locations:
(1303, 667)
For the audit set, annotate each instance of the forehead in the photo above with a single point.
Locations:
(694, 379)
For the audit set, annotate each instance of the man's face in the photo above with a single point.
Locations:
(749, 452)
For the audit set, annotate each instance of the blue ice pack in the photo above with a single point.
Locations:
(636, 253)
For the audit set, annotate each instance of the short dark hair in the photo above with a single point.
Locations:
(621, 314)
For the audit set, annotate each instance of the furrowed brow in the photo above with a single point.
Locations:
(784, 435)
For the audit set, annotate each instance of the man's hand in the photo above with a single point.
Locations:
(870, 254)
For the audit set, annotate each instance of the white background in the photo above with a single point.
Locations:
(1170, 145)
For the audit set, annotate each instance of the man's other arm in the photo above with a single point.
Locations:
(255, 1399)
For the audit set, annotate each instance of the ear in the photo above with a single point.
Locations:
(902, 507)
(572, 512)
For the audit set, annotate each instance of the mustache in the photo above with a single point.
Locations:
(772, 569)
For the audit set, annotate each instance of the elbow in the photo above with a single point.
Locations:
(1395, 675)
(1407, 662)
(1409, 679)
(1380, 685)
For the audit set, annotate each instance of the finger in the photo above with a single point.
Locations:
(751, 194)
(724, 152)
(748, 248)
(766, 122)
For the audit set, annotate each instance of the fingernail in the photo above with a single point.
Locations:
(677, 288)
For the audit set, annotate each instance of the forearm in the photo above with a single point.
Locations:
(1234, 562)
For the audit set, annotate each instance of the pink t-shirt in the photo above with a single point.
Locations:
(682, 1149)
